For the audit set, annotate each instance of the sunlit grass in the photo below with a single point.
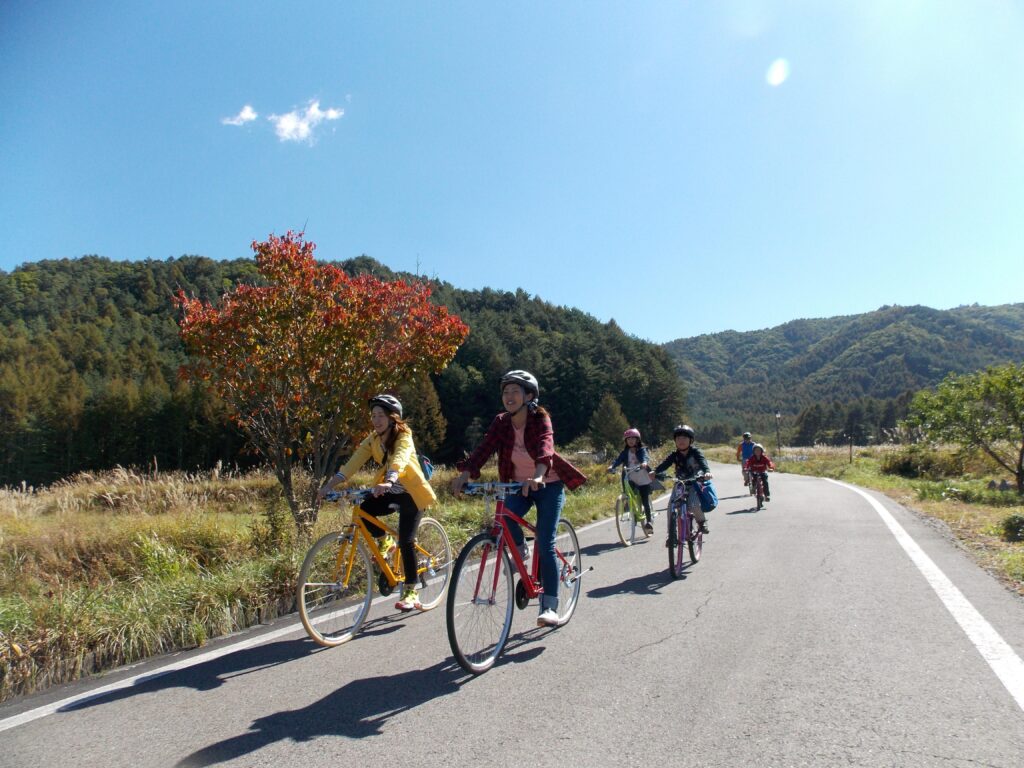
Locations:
(104, 570)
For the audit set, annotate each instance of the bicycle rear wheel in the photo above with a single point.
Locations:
(625, 522)
(335, 588)
(480, 604)
(567, 547)
(434, 562)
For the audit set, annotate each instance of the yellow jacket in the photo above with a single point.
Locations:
(402, 460)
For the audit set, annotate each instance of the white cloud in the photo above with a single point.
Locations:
(299, 125)
(247, 115)
(777, 73)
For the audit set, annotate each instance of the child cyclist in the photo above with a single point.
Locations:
(524, 441)
(759, 462)
(688, 460)
(634, 454)
(400, 481)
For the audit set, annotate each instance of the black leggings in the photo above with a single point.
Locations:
(645, 497)
(408, 521)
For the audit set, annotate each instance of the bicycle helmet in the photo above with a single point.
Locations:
(758, 445)
(525, 379)
(631, 432)
(388, 403)
(746, 435)
(684, 429)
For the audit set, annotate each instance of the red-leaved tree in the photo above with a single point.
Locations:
(296, 359)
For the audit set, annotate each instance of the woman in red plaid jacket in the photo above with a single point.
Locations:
(524, 440)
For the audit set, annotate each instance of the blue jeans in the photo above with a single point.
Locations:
(549, 501)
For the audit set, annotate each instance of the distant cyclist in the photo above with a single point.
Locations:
(688, 460)
(759, 462)
(635, 455)
(399, 481)
(524, 440)
(743, 452)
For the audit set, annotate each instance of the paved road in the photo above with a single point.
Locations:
(806, 636)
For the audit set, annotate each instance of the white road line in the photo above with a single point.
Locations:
(128, 682)
(997, 652)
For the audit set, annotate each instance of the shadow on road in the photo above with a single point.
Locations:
(593, 550)
(647, 584)
(212, 674)
(360, 708)
(747, 511)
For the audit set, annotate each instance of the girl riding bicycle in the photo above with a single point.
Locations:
(635, 455)
(400, 481)
(688, 460)
(524, 441)
(759, 462)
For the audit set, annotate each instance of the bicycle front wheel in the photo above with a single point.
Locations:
(480, 604)
(695, 540)
(674, 542)
(625, 523)
(567, 549)
(335, 588)
(433, 562)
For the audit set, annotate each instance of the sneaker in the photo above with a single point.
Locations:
(524, 552)
(648, 528)
(704, 529)
(386, 544)
(548, 618)
(767, 498)
(410, 601)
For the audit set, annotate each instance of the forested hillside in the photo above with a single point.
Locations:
(89, 355)
(865, 362)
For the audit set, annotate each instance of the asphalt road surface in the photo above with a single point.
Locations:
(824, 630)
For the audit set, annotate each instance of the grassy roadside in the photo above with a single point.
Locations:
(975, 516)
(97, 572)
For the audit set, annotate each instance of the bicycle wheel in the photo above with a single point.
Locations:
(480, 604)
(760, 492)
(335, 588)
(674, 544)
(625, 523)
(695, 539)
(434, 562)
(569, 569)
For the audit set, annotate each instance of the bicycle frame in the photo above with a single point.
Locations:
(501, 534)
(357, 527)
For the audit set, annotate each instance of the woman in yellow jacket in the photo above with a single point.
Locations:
(400, 481)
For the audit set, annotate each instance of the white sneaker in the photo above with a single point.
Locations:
(548, 618)
(524, 552)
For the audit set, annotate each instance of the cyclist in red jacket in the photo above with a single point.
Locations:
(759, 462)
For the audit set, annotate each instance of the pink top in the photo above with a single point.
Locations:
(523, 464)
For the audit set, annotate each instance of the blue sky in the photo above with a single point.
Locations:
(684, 168)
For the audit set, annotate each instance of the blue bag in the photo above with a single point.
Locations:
(708, 495)
(426, 467)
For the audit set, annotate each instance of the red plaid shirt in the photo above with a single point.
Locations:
(539, 439)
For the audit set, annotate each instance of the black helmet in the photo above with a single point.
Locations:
(388, 403)
(684, 429)
(746, 435)
(525, 379)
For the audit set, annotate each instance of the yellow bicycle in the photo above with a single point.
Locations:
(336, 580)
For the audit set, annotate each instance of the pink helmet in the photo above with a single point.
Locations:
(631, 432)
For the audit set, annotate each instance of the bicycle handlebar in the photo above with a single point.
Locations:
(357, 494)
(491, 489)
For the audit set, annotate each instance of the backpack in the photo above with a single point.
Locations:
(426, 467)
(708, 495)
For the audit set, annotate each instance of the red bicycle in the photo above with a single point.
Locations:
(481, 597)
(757, 480)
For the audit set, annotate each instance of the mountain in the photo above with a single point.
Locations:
(745, 378)
(89, 359)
